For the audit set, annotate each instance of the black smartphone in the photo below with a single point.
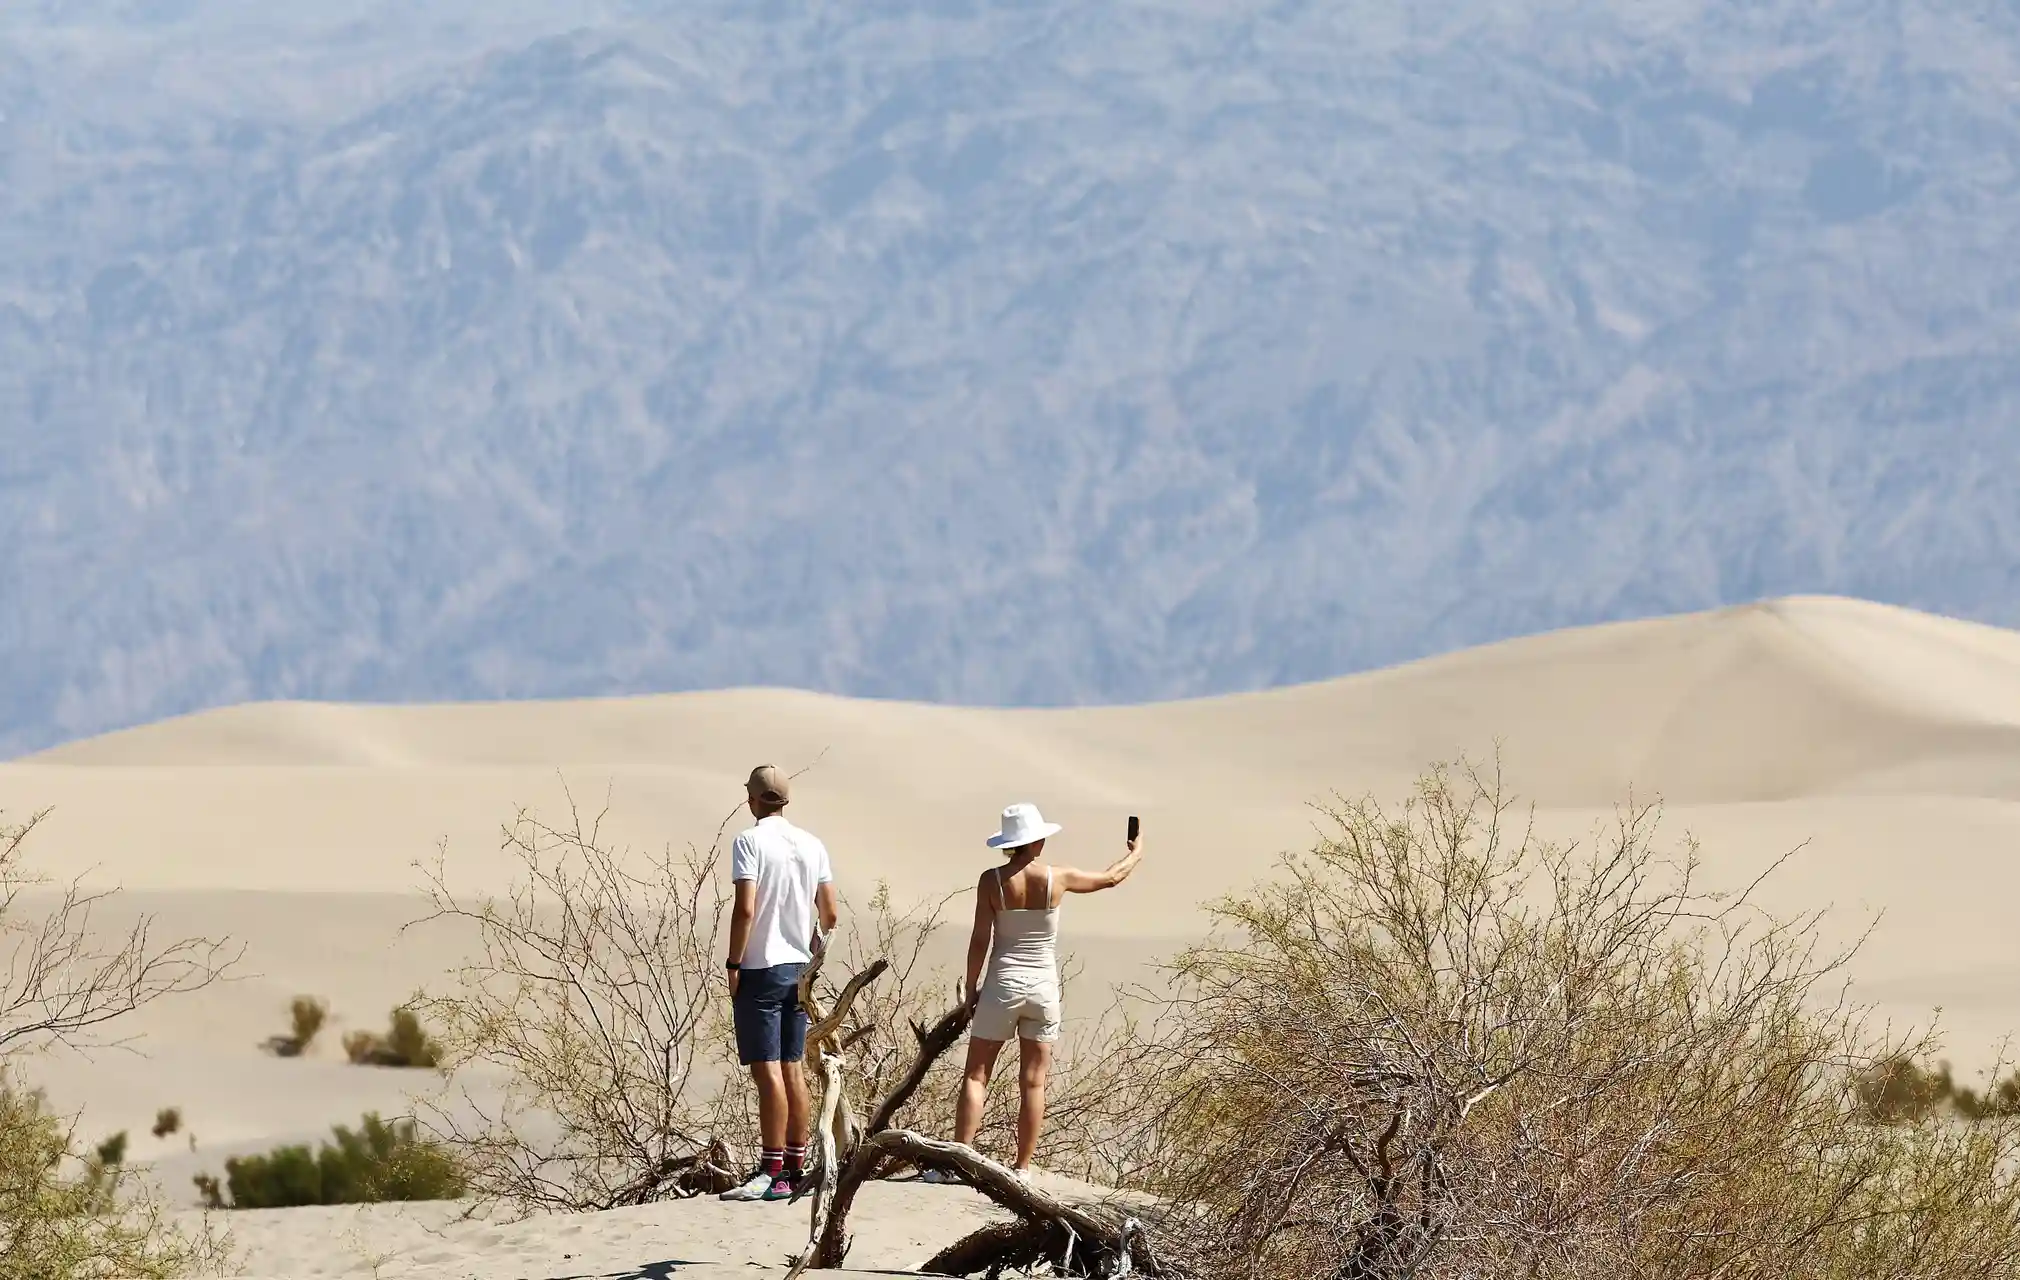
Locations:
(1132, 828)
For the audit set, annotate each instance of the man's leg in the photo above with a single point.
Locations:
(1034, 1064)
(757, 1036)
(799, 1105)
(790, 1037)
(792, 1059)
(774, 1105)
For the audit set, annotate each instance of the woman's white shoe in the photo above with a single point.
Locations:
(939, 1177)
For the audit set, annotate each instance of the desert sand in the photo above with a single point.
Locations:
(1884, 742)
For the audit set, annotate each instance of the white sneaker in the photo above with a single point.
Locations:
(940, 1178)
(753, 1188)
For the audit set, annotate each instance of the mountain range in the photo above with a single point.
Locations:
(1024, 352)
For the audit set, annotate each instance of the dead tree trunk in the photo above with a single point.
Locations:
(831, 1243)
(1005, 1246)
(1074, 1239)
(826, 1043)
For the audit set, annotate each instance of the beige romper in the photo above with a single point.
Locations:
(1020, 988)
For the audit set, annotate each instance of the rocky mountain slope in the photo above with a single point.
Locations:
(1014, 352)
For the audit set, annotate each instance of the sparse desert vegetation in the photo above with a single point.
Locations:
(1435, 1046)
(1432, 1046)
(377, 1162)
(1900, 1090)
(306, 1016)
(595, 988)
(62, 1212)
(167, 1122)
(598, 990)
(405, 1043)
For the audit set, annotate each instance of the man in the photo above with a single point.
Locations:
(782, 879)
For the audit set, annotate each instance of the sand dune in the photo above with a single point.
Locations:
(1888, 740)
(899, 1224)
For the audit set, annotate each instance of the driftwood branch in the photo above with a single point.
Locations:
(829, 1138)
(824, 1029)
(826, 1042)
(1017, 1245)
(933, 1045)
(830, 1243)
(1076, 1240)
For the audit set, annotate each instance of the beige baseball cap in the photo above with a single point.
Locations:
(768, 784)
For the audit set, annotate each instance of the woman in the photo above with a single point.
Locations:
(1017, 932)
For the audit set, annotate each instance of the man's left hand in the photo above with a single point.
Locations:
(734, 974)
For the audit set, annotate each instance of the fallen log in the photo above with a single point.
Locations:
(1002, 1246)
(1074, 1239)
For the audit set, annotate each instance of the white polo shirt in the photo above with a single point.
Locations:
(788, 865)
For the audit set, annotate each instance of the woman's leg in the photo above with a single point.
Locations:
(974, 1088)
(1034, 1063)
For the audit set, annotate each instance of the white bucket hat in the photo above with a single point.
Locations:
(1022, 824)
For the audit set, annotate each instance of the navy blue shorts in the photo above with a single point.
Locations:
(770, 1025)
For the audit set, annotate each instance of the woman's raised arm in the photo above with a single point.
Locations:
(1096, 881)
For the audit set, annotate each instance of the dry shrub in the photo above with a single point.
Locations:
(61, 1214)
(1436, 1046)
(167, 1122)
(1900, 1090)
(306, 1016)
(56, 1219)
(1999, 1101)
(60, 985)
(597, 991)
(405, 1044)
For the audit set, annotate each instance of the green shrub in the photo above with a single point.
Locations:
(103, 1167)
(57, 1225)
(405, 1044)
(1901, 1091)
(1898, 1090)
(112, 1152)
(306, 1016)
(65, 982)
(375, 1163)
(2001, 1100)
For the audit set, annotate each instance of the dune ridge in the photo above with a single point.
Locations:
(1886, 741)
